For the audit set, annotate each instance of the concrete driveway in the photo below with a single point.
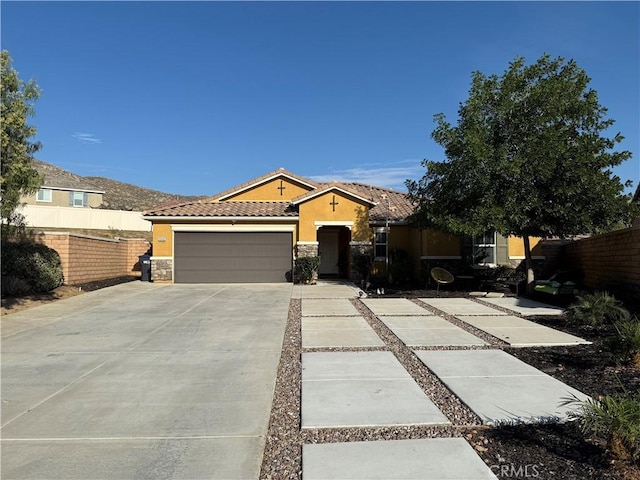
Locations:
(142, 381)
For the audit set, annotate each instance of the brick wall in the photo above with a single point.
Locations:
(610, 261)
(87, 259)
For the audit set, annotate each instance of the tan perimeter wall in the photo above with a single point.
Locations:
(610, 261)
(87, 259)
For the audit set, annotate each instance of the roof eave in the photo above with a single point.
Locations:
(223, 218)
(311, 195)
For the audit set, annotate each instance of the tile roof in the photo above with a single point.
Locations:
(262, 178)
(325, 187)
(389, 203)
(224, 209)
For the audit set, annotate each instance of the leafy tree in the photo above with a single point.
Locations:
(17, 175)
(527, 158)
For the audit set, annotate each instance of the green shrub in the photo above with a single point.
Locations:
(307, 268)
(361, 266)
(14, 286)
(615, 420)
(399, 267)
(36, 264)
(595, 309)
(629, 338)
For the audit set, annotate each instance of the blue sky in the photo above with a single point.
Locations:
(196, 97)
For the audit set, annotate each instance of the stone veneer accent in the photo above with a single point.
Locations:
(307, 250)
(161, 269)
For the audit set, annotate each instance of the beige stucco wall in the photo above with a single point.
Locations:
(60, 198)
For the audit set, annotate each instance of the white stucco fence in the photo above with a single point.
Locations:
(87, 218)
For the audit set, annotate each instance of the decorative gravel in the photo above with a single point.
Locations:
(283, 449)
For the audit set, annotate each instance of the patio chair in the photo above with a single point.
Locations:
(441, 277)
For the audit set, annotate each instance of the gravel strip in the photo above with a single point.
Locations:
(456, 411)
(282, 457)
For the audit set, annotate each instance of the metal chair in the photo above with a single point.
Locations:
(441, 277)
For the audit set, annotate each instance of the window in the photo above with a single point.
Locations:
(44, 195)
(77, 199)
(380, 243)
(484, 249)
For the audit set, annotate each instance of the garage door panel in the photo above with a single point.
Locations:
(232, 257)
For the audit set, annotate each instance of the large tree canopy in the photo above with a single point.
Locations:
(17, 175)
(528, 157)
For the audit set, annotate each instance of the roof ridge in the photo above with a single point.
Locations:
(266, 176)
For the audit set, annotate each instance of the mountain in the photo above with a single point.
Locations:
(117, 196)
(125, 196)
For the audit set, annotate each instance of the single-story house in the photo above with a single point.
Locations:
(63, 189)
(254, 231)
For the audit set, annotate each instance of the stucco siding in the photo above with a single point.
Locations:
(60, 198)
(347, 211)
(271, 191)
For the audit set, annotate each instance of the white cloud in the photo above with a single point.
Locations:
(86, 137)
(392, 176)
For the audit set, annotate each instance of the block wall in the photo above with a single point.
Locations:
(87, 259)
(610, 261)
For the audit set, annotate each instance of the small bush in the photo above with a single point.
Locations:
(36, 264)
(307, 268)
(14, 286)
(596, 309)
(399, 267)
(615, 420)
(361, 266)
(628, 332)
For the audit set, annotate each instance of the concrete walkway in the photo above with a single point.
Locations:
(362, 389)
(519, 332)
(433, 458)
(524, 306)
(341, 389)
(142, 381)
(429, 331)
(499, 387)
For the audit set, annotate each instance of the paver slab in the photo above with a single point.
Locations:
(429, 331)
(500, 388)
(519, 332)
(525, 306)
(338, 332)
(394, 306)
(324, 289)
(425, 459)
(328, 306)
(349, 389)
(460, 306)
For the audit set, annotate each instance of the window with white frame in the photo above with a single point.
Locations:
(44, 195)
(78, 199)
(484, 248)
(380, 243)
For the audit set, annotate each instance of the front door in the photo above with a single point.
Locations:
(328, 251)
